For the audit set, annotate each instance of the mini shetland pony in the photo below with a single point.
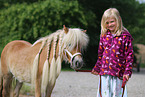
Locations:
(40, 63)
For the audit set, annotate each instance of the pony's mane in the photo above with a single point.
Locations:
(73, 38)
(50, 37)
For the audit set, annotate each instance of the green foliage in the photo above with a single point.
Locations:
(30, 21)
(8, 3)
(26, 89)
(138, 29)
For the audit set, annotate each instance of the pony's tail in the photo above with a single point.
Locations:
(45, 77)
(58, 63)
(52, 77)
(34, 70)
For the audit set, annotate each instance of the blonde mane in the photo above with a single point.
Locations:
(70, 40)
(49, 37)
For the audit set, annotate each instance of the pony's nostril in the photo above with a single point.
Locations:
(78, 64)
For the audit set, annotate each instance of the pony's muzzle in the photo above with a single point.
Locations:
(75, 59)
(77, 63)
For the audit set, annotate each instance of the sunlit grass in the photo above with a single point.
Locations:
(26, 89)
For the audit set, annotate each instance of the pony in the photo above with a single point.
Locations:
(40, 63)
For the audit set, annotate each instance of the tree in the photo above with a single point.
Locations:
(31, 21)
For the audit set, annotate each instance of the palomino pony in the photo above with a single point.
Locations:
(40, 63)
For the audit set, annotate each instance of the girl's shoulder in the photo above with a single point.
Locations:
(126, 35)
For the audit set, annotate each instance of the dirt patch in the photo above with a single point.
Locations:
(85, 84)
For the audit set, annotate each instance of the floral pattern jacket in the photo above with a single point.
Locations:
(115, 55)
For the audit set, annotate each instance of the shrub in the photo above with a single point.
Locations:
(30, 21)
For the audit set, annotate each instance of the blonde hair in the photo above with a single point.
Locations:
(112, 12)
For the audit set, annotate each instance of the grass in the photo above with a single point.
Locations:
(142, 65)
(26, 90)
(70, 69)
(67, 69)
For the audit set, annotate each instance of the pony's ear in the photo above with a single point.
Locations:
(84, 31)
(65, 29)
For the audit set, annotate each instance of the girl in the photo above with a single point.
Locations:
(115, 55)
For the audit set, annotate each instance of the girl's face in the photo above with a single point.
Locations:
(111, 24)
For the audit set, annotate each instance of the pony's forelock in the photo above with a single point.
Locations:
(74, 38)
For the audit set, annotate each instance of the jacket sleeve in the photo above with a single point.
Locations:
(128, 56)
(100, 54)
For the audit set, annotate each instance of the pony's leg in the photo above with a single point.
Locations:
(1, 85)
(7, 81)
(49, 90)
(38, 87)
(17, 88)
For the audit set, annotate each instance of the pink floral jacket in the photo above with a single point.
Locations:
(115, 55)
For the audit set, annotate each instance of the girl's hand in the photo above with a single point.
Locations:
(94, 72)
(126, 76)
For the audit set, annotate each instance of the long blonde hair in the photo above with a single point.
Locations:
(112, 12)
